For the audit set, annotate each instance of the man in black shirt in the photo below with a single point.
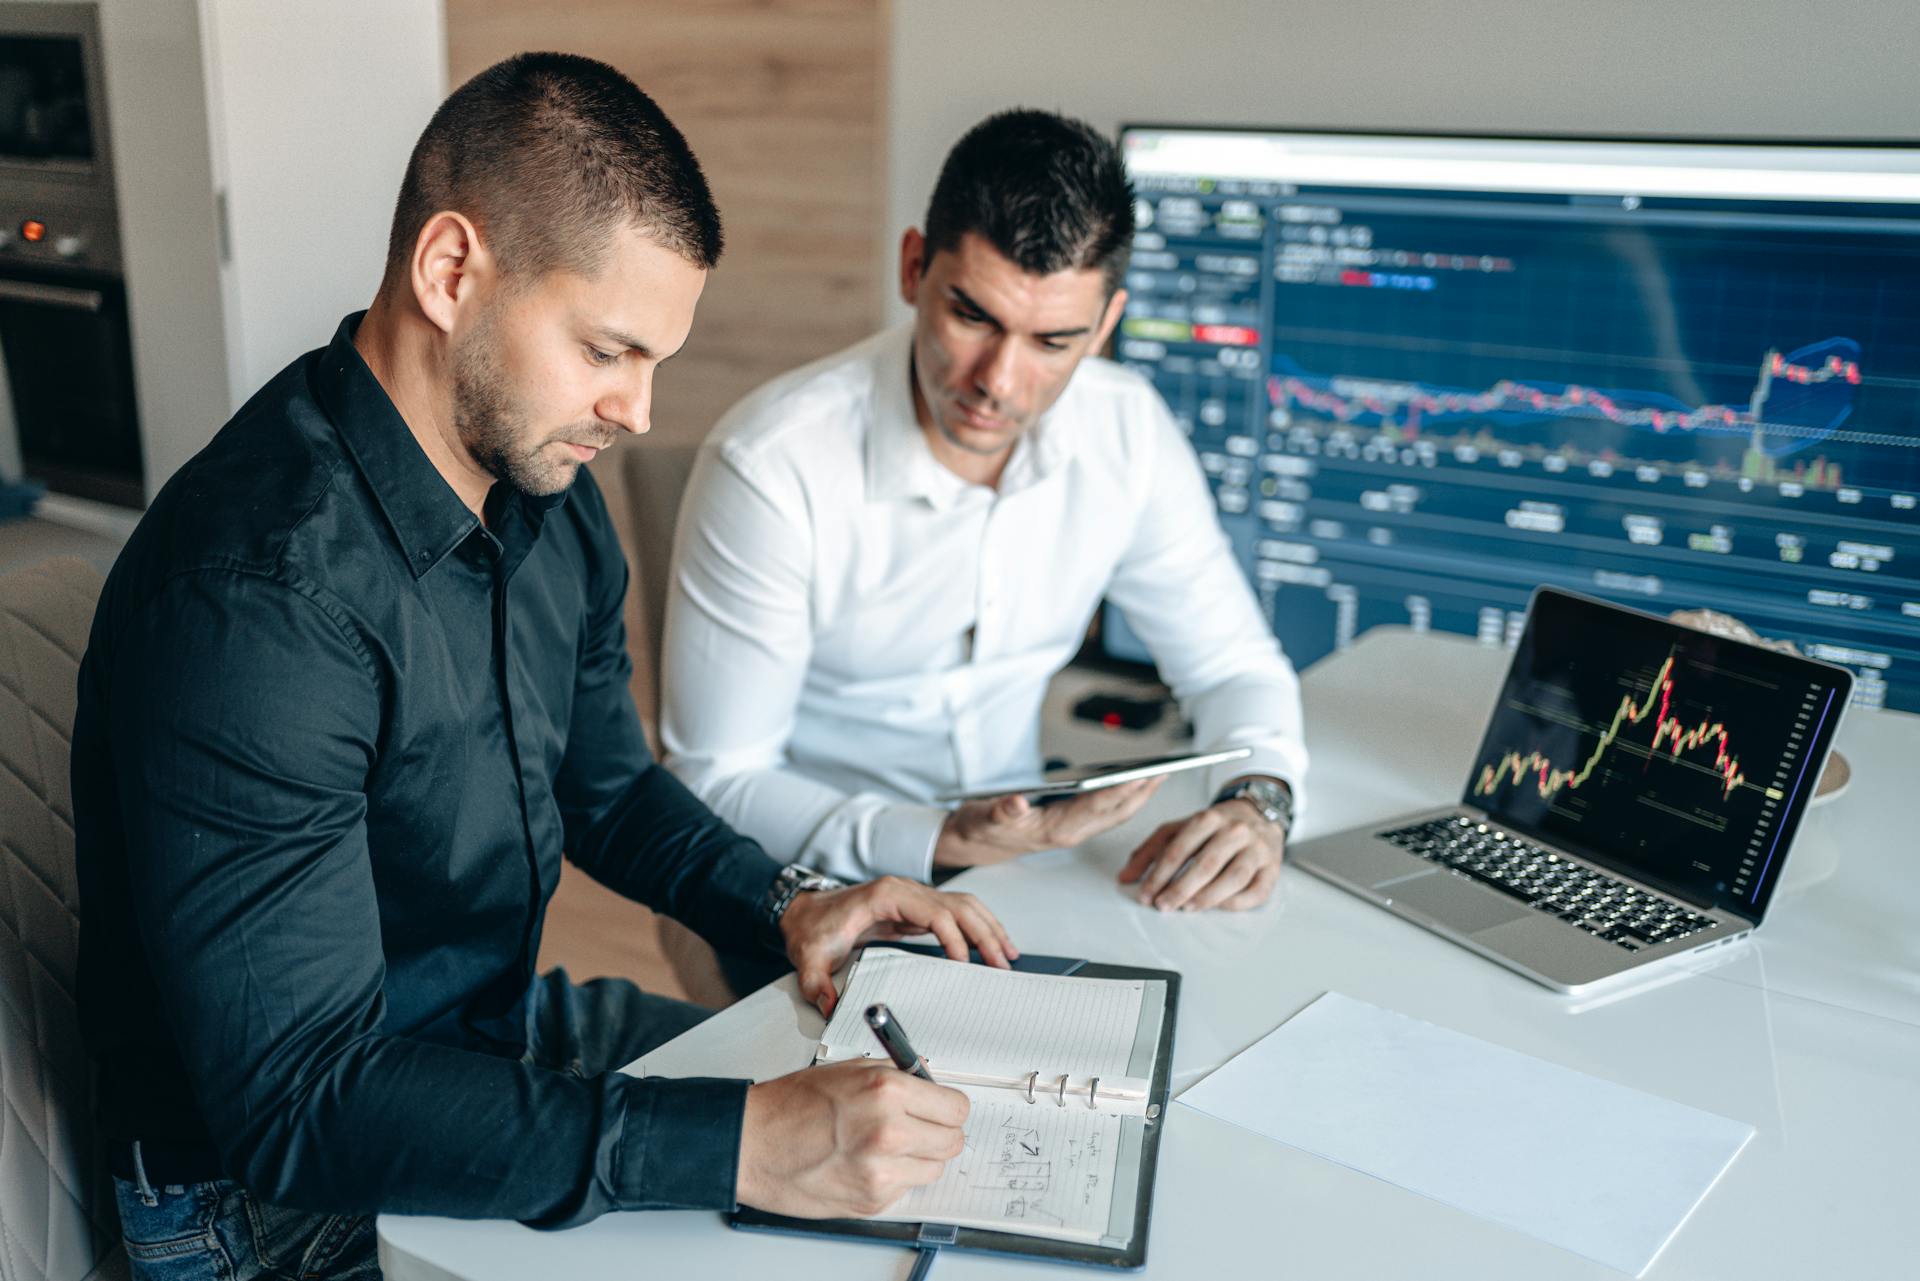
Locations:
(358, 680)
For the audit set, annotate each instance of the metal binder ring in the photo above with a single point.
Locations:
(1063, 1089)
(1031, 1078)
(1093, 1093)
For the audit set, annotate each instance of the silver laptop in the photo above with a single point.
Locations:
(1632, 802)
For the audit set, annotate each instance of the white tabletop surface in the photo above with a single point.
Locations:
(1811, 1033)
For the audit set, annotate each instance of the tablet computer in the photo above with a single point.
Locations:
(1076, 779)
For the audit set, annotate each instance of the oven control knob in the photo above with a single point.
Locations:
(69, 246)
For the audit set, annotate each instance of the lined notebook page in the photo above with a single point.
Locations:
(972, 1018)
(1038, 1170)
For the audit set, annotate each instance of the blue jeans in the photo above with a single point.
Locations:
(219, 1231)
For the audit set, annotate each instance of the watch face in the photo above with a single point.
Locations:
(1269, 798)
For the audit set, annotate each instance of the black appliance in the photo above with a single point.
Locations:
(64, 335)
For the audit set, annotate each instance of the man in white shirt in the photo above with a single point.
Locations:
(883, 557)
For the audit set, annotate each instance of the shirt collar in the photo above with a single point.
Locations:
(899, 463)
(514, 521)
(426, 516)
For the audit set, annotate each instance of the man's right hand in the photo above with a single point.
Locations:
(1008, 826)
(844, 1140)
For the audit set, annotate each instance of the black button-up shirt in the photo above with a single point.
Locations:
(333, 736)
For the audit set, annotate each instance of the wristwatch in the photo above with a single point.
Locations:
(1272, 798)
(793, 880)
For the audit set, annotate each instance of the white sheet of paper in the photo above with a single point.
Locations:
(1607, 1172)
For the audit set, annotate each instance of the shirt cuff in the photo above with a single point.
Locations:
(903, 837)
(680, 1149)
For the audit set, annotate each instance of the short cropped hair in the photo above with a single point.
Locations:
(1047, 191)
(548, 154)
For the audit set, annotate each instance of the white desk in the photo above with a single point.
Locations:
(1811, 1033)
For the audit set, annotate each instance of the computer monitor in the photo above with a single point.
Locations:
(1425, 375)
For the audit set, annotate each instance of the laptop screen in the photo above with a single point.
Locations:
(1678, 758)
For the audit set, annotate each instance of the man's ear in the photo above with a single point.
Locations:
(447, 258)
(913, 265)
(1115, 305)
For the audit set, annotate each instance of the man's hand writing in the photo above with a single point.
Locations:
(844, 1139)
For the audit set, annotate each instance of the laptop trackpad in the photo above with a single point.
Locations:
(1454, 902)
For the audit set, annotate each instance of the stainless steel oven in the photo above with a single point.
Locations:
(64, 335)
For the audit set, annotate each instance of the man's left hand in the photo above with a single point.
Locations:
(823, 927)
(1226, 856)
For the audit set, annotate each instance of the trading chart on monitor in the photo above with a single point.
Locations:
(1425, 376)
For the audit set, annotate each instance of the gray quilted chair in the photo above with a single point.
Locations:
(57, 1218)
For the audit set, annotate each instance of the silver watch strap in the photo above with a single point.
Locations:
(1271, 798)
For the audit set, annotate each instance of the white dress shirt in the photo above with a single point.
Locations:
(852, 629)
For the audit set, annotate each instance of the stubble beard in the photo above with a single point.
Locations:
(490, 426)
(936, 410)
(978, 451)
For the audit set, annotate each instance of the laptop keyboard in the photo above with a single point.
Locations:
(1606, 908)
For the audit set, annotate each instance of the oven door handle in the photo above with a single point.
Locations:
(61, 296)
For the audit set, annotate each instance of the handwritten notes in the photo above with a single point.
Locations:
(1034, 1169)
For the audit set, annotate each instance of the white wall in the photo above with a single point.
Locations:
(1770, 68)
(313, 111)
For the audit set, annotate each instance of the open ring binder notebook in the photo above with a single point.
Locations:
(1067, 1076)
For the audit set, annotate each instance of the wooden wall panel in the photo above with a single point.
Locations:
(782, 102)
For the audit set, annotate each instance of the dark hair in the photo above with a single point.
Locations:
(548, 153)
(1046, 191)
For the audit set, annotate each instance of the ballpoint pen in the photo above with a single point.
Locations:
(900, 1050)
(894, 1038)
